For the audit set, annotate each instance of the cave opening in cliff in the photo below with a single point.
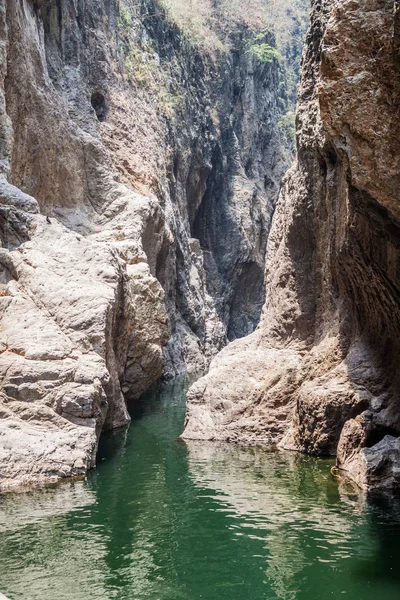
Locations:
(99, 105)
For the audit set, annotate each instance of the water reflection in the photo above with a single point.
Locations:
(35, 531)
(161, 519)
(288, 501)
(32, 506)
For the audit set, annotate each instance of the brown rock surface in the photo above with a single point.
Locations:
(330, 324)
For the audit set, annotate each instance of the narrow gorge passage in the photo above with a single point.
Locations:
(142, 147)
(161, 519)
(199, 186)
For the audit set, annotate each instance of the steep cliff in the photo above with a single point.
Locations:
(138, 178)
(320, 374)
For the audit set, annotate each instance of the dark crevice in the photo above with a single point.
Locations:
(99, 105)
(378, 433)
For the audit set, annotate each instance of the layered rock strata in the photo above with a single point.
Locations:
(116, 139)
(320, 374)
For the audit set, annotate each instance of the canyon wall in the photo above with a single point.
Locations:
(138, 176)
(320, 374)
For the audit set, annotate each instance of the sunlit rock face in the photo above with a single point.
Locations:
(132, 236)
(321, 374)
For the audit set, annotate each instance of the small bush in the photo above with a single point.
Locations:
(265, 53)
(124, 18)
(170, 102)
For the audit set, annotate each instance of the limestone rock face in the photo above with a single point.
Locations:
(324, 361)
(70, 322)
(239, 396)
(128, 161)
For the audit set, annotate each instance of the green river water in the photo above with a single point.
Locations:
(160, 519)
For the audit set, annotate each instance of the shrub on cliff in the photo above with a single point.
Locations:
(210, 24)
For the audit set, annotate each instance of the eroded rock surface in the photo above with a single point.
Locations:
(119, 193)
(320, 374)
(70, 323)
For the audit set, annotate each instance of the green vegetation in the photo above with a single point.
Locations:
(210, 24)
(262, 51)
(171, 102)
(272, 30)
(211, 21)
(197, 19)
(287, 127)
(125, 18)
(140, 65)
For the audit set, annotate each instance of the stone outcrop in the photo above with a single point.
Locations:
(71, 332)
(320, 374)
(120, 144)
